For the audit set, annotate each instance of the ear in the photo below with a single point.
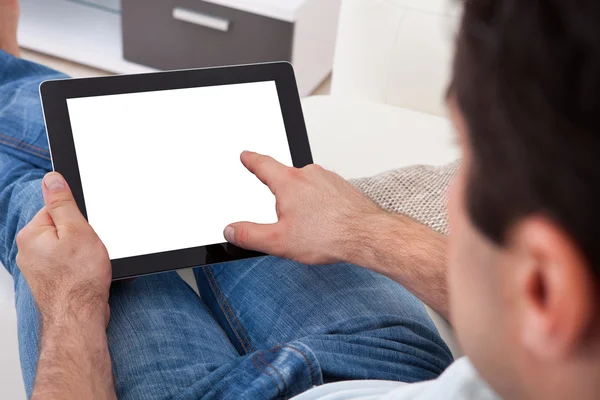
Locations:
(555, 289)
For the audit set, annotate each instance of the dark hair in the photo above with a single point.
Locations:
(527, 81)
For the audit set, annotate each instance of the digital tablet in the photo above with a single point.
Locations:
(153, 160)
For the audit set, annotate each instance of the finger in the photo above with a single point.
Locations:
(267, 169)
(41, 223)
(60, 202)
(264, 238)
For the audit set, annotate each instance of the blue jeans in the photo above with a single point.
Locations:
(262, 328)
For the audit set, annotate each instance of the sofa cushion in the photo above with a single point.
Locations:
(419, 192)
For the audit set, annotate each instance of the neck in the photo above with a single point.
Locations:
(573, 380)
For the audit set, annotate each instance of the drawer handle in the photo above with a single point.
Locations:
(197, 18)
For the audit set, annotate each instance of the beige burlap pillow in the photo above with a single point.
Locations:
(419, 192)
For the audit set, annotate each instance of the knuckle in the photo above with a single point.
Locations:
(103, 252)
(314, 168)
(94, 239)
(59, 201)
(274, 236)
(19, 259)
(21, 238)
(294, 173)
(97, 245)
(243, 236)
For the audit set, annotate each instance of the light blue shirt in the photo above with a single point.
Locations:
(460, 381)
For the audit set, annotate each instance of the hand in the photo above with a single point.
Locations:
(318, 211)
(64, 262)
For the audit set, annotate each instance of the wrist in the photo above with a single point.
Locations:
(359, 234)
(91, 328)
(74, 315)
(405, 251)
(391, 243)
(69, 318)
(83, 335)
(77, 304)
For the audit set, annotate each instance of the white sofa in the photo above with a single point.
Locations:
(386, 111)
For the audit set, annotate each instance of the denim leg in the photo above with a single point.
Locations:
(24, 159)
(357, 324)
(162, 338)
(22, 133)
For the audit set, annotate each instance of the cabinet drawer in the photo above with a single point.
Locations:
(176, 34)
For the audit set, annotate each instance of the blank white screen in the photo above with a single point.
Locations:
(160, 171)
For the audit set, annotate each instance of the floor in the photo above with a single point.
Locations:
(82, 71)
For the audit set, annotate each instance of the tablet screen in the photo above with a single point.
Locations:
(160, 171)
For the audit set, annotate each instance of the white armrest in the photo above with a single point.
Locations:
(358, 138)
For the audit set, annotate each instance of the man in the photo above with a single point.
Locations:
(522, 263)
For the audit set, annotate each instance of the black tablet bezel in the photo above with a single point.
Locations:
(54, 96)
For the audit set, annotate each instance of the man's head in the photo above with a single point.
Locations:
(525, 208)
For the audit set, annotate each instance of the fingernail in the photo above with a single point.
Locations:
(54, 182)
(230, 234)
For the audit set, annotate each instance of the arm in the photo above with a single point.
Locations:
(323, 219)
(74, 361)
(405, 251)
(69, 273)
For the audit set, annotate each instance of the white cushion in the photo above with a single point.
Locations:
(359, 138)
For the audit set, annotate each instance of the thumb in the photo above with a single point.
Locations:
(264, 238)
(60, 202)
